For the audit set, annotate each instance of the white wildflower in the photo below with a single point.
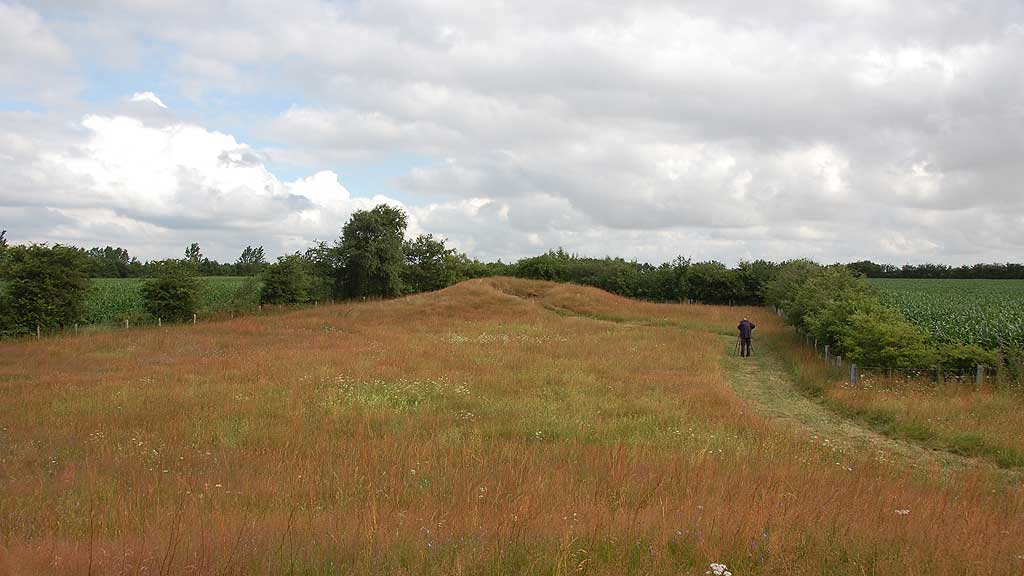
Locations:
(716, 569)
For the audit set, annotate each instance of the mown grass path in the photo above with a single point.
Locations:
(763, 382)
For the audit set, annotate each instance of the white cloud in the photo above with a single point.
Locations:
(713, 128)
(147, 97)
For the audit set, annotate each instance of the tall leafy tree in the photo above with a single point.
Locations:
(370, 250)
(194, 255)
(46, 286)
(112, 262)
(429, 265)
(251, 261)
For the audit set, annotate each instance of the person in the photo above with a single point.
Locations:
(746, 328)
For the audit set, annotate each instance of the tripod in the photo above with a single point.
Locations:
(739, 346)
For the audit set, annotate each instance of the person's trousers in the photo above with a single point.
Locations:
(744, 346)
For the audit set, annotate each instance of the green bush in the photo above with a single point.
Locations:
(173, 291)
(286, 281)
(46, 287)
(958, 356)
(881, 337)
(246, 297)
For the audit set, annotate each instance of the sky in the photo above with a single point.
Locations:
(836, 130)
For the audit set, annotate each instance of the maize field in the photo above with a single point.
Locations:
(989, 313)
(112, 300)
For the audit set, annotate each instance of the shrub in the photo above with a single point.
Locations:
(881, 337)
(46, 287)
(247, 297)
(286, 281)
(172, 292)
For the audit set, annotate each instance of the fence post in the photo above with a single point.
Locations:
(193, 318)
(159, 322)
(38, 332)
(839, 361)
(853, 373)
(826, 352)
(979, 375)
(76, 328)
(125, 323)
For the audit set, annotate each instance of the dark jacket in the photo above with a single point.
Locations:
(746, 328)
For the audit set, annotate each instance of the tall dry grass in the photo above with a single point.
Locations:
(488, 428)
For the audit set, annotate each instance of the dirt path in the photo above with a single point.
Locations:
(763, 382)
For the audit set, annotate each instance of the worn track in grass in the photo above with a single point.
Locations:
(764, 383)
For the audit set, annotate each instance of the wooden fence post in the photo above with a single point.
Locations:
(159, 322)
(193, 318)
(979, 375)
(826, 352)
(854, 375)
(39, 332)
(125, 323)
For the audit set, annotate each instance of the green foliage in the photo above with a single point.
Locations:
(112, 262)
(251, 262)
(172, 293)
(287, 281)
(194, 255)
(370, 250)
(880, 337)
(429, 265)
(782, 290)
(246, 297)
(712, 283)
(827, 300)
(46, 287)
(959, 356)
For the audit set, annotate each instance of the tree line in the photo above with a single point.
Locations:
(994, 271)
(46, 285)
(839, 307)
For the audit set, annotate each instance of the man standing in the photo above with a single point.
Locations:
(746, 328)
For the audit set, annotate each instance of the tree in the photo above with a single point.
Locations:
(172, 292)
(783, 287)
(251, 261)
(46, 287)
(286, 281)
(712, 283)
(429, 265)
(112, 262)
(194, 255)
(370, 250)
(323, 262)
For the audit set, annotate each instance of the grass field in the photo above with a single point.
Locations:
(496, 427)
(985, 312)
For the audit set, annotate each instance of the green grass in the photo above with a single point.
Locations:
(989, 313)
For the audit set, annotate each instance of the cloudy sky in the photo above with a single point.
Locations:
(831, 129)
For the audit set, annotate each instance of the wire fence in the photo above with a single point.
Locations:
(861, 374)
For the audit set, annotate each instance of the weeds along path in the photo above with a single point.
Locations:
(764, 382)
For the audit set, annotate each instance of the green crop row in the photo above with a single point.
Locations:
(989, 313)
(113, 300)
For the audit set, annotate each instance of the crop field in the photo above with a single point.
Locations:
(498, 426)
(111, 300)
(985, 312)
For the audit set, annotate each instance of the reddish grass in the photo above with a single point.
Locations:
(482, 429)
